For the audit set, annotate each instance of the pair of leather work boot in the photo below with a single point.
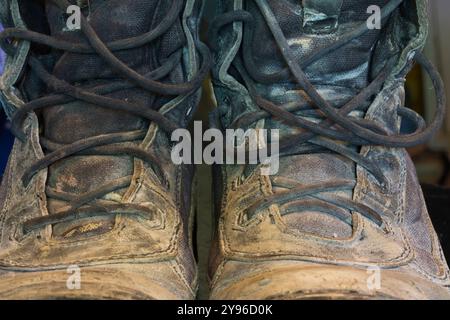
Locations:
(92, 205)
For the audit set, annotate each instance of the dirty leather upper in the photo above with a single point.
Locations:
(316, 225)
(121, 201)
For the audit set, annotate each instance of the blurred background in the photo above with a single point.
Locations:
(432, 161)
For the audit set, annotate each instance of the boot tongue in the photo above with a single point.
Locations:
(65, 124)
(338, 76)
(312, 24)
(112, 20)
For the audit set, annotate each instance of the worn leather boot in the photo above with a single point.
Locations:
(344, 218)
(91, 203)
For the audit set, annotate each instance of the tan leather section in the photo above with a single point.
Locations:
(300, 280)
(131, 237)
(161, 281)
(267, 237)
